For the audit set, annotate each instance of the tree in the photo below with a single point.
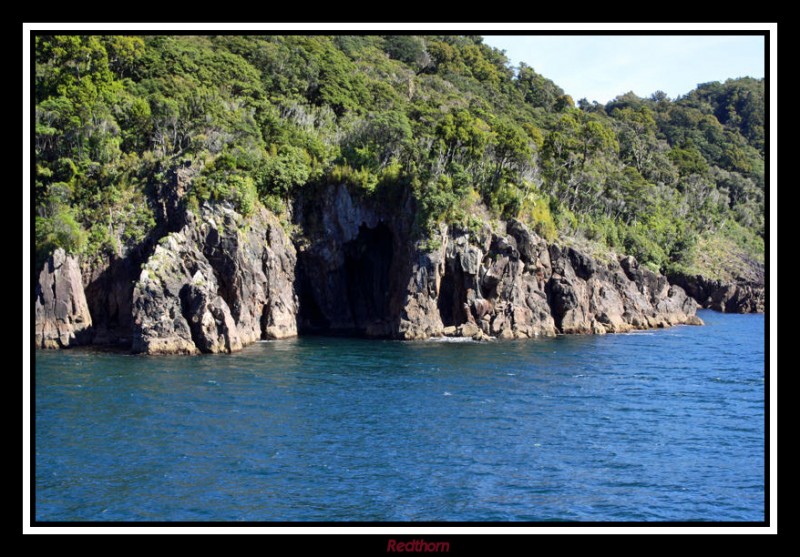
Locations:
(537, 90)
(409, 49)
(259, 117)
(511, 147)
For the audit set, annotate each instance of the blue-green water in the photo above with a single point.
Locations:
(654, 426)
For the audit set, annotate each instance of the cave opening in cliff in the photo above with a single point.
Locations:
(453, 295)
(310, 317)
(367, 265)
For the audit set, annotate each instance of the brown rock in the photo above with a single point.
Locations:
(62, 315)
(469, 330)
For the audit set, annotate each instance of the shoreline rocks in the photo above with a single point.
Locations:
(222, 281)
(727, 297)
(513, 285)
(62, 314)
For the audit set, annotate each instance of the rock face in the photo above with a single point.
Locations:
(109, 281)
(160, 326)
(108, 285)
(729, 297)
(420, 316)
(353, 264)
(62, 315)
(216, 285)
(512, 285)
(489, 289)
(217, 281)
(361, 273)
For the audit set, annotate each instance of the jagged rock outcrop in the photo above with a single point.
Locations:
(62, 315)
(730, 297)
(109, 280)
(485, 290)
(222, 282)
(160, 325)
(513, 285)
(361, 273)
(516, 285)
(254, 262)
(617, 296)
(420, 316)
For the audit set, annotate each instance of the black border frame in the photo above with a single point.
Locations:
(371, 540)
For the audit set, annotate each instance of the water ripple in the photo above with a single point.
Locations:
(663, 425)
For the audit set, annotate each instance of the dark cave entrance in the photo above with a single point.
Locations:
(453, 294)
(346, 289)
(311, 319)
(367, 265)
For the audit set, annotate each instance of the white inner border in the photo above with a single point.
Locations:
(496, 28)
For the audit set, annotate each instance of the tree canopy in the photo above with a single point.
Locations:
(259, 118)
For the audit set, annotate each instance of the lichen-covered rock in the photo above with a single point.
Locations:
(210, 321)
(159, 323)
(420, 316)
(222, 282)
(108, 280)
(62, 315)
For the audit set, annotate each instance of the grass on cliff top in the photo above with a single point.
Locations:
(598, 251)
(732, 254)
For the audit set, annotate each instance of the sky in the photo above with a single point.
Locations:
(599, 68)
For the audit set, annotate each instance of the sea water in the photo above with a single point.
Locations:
(663, 425)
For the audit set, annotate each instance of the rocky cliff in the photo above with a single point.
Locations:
(109, 281)
(743, 296)
(62, 314)
(220, 281)
(511, 284)
(361, 272)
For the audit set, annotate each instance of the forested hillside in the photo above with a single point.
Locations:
(678, 183)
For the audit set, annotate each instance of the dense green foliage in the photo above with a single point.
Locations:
(260, 118)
